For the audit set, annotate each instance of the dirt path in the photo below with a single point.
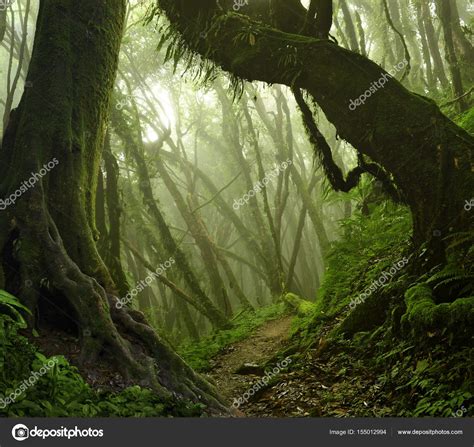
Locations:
(257, 349)
(320, 384)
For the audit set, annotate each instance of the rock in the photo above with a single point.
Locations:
(250, 368)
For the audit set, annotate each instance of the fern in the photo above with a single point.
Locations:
(457, 276)
(13, 306)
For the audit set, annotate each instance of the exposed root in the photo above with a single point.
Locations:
(424, 316)
(173, 373)
(123, 335)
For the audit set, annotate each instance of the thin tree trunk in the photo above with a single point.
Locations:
(200, 235)
(431, 81)
(299, 236)
(438, 66)
(170, 245)
(443, 8)
(349, 25)
(114, 211)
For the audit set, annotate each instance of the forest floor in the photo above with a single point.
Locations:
(319, 385)
(239, 366)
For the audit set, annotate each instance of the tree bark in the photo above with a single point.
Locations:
(443, 9)
(49, 249)
(438, 66)
(464, 48)
(431, 81)
(113, 258)
(3, 23)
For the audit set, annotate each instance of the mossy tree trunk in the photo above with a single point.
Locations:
(111, 245)
(48, 237)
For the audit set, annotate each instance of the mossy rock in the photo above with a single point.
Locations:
(299, 305)
(250, 369)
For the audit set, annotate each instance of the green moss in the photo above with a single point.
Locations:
(420, 366)
(301, 306)
(62, 392)
(424, 315)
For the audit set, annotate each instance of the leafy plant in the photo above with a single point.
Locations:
(10, 304)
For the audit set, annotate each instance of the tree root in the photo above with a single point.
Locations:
(173, 372)
(425, 317)
(123, 335)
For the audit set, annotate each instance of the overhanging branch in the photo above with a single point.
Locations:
(331, 169)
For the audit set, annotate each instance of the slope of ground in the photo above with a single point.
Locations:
(250, 354)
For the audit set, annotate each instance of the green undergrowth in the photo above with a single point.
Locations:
(32, 385)
(376, 374)
(417, 360)
(369, 246)
(466, 120)
(407, 378)
(198, 354)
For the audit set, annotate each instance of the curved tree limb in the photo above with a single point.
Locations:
(332, 171)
